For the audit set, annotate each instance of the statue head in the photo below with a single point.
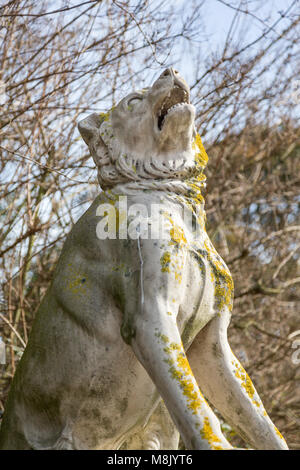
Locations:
(149, 134)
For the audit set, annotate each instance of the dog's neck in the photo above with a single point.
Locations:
(182, 172)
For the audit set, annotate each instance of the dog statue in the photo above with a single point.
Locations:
(132, 333)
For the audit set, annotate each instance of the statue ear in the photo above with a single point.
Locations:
(89, 127)
(89, 130)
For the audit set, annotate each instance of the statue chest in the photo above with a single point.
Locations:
(208, 289)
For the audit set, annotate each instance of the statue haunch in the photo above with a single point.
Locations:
(132, 333)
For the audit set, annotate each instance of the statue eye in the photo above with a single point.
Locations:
(133, 101)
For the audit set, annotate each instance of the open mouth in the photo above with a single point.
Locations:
(177, 98)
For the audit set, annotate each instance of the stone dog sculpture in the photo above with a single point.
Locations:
(133, 329)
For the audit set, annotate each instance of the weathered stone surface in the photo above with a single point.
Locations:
(130, 319)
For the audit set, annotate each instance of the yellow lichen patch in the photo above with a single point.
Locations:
(196, 191)
(181, 372)
(278, 433)
(76, 286)
(247, 384)
(165, 262)
(192, 393)
(177, 235)
(194, 398)
(178, 276)
(177, 238)
(221, 278)
(196, 182)
(201, 156)
(76, 281)
(164, 338)
(208, 435)
(172, 347)
(104, 116)
(223, 295)
(183, 363)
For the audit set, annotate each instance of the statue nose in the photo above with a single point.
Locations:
(170, 72)
(177, 79)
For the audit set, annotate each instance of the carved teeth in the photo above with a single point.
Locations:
(164, 113)
(176, 97)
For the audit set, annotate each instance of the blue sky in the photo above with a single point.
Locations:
(217, 19)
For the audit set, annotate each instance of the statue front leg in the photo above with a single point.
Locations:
(156, 341)
(229, 388)
(157, 345)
